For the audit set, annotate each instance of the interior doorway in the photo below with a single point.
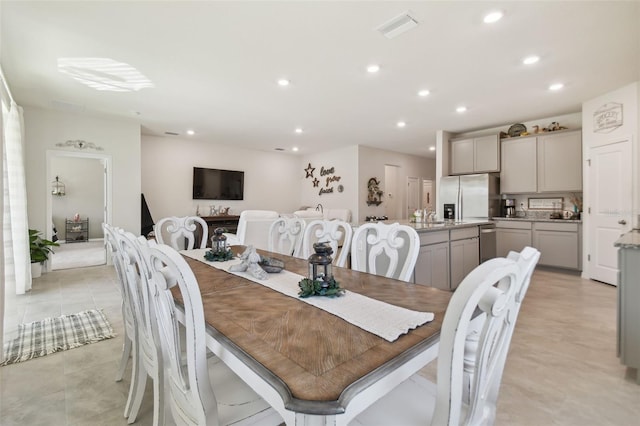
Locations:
(427, 195)
(76, 217)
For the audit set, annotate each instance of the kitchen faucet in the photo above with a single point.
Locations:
(319, 208)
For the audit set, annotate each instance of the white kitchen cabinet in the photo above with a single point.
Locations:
(518, 171)
(558, 243)
(560, 162)
(432, 266)
(512, 236)
(475, 155)
(544, 163)
(462, 156)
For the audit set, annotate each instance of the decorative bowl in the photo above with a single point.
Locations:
(271, 264)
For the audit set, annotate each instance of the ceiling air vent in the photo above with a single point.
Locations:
(172, 133)
(397, 25)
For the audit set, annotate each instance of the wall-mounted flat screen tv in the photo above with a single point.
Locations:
(215, 184)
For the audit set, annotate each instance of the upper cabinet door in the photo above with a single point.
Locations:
(560, 162)
(486, 154)
(462, 156)
(518, 166)
(478, 155)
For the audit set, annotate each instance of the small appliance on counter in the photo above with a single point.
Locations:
(509, 207)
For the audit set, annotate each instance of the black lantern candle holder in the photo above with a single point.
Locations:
(219, 251)
(320, 281)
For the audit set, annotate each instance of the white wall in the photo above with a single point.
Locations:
(345, 164)
(119, 139)
(84, 184)
(371, 163)
(271, 179)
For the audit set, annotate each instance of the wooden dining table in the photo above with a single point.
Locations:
(311, 366)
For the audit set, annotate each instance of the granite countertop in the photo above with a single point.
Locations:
(630, 240)
(437, 226)
(536, 219)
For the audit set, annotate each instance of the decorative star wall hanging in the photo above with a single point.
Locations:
(309, 171)
(315, 182)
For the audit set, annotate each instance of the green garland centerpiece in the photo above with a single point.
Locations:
(320, 281)
(218, 256)
(329, 288)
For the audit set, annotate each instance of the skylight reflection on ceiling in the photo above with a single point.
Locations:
(104, 74)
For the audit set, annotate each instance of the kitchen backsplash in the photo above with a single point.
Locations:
(522, 204)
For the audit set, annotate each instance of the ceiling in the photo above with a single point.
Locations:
(215, 66)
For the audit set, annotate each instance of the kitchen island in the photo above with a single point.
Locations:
(448, 251)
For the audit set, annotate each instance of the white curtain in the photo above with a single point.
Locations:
(17, 262)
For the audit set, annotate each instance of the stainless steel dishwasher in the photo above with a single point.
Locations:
(487, 242)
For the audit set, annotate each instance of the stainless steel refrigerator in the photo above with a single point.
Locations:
(472, 196)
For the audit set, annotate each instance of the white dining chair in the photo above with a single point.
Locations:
(200, 391)
(285, 236)
(384, 249)
(148, 356)
(309, 214)
(253, 228)
(335, 232)
(182, 232)
(494, 289)
(339, 214)
(130, 338)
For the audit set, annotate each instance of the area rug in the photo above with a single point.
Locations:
(39, 338)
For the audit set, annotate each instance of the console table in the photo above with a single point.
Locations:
(76, 230)
(229, 222)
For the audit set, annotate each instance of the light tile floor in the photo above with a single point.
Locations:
(562, 368)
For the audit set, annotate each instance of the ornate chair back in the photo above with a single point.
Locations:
(253, 228)
(389, 250)
(285, 236)
(149, 356)
(495, 288)
(182, 232)
(336, 232)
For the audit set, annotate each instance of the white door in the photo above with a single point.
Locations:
(610, 207)
(392, 199)
(414, 188)
(427, 194)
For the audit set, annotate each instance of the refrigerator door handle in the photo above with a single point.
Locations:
(461, 206)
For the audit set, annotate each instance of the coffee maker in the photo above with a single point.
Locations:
(509, 207)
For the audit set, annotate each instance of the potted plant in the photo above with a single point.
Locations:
(40, 249)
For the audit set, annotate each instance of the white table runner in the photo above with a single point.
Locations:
(380, 318)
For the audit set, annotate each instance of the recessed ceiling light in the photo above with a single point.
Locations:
(294, 149)
(104, 74)
(283, 82)
(432, 148)
(298, 130)
(401, 124)
(461, 109)
(529, 60)
(492, 17)
(373, 68)
(556, 86)
(191, 132)
(423, 93)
